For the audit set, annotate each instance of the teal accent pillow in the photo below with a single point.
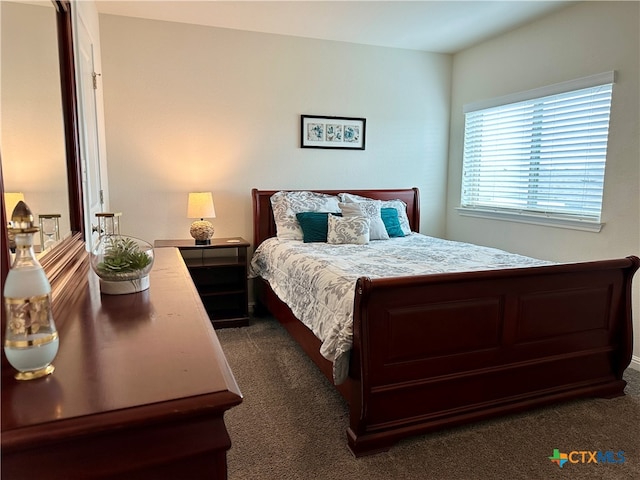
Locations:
(314, 225)
(391, 222)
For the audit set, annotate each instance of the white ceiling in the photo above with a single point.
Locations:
(433, 26)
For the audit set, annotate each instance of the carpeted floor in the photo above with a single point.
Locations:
(291, 425)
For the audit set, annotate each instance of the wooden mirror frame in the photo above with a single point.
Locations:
(69, 257)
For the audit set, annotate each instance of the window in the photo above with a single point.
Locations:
(539, 156)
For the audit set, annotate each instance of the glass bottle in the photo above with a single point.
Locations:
(31, 338)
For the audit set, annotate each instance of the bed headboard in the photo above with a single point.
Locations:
(264, 226)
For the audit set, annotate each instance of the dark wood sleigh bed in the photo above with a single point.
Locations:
(435, 351)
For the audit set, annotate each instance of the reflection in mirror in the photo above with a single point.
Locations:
(33, 140)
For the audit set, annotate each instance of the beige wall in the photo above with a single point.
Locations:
(193, 108)
(198, 108)
(588, 38)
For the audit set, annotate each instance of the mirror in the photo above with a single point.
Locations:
(33, 149)
(63, 260)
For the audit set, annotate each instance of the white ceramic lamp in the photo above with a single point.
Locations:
(201, 206)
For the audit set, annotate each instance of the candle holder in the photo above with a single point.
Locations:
(49, 229)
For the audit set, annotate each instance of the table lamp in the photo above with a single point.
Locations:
(201, 206)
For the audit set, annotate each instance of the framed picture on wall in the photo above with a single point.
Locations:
(332, 132)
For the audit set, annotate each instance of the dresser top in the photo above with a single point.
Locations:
(124, 358)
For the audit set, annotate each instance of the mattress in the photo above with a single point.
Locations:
(317, 280)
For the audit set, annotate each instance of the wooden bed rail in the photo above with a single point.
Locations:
(440, 350)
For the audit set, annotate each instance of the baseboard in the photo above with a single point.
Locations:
(635, 362)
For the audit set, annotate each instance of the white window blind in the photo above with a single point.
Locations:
(542, 156)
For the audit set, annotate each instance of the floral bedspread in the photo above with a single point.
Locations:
(317, 280)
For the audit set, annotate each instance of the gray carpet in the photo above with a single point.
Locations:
(291, 425)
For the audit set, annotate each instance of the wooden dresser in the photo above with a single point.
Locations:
(140, 389)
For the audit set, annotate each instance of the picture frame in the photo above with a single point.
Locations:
(345, 133)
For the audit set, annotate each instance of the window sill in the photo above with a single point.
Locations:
(532, 219)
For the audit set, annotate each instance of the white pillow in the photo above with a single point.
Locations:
(285, 205)
(399, 205)
(342, 230)
(371, 210)
(352, 198)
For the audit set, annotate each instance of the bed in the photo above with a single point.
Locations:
(439, 350)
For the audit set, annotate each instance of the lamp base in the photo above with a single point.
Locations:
(201, 231)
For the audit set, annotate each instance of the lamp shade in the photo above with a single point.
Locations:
(201, 205)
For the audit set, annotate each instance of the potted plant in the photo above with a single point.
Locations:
(122, 263)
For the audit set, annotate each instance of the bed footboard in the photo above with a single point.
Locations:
(441, 350)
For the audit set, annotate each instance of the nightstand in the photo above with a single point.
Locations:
(219, 272)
